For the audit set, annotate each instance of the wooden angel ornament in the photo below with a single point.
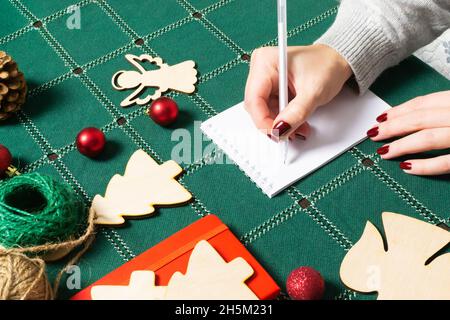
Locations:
(144, 185)
(412, 266)
(181, 77)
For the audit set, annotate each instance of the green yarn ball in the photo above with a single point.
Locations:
(37, 210)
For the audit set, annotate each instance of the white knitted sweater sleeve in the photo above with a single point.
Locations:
(373, 35)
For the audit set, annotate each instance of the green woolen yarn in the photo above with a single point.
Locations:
(38, 210)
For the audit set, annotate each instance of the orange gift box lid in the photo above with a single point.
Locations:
(173, 254)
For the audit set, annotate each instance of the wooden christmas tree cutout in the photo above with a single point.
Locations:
(181, 77)
(144, 185)
(141, 287)
(209, 277)
(403, 271)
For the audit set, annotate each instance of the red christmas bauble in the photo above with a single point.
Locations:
(91, 142)
(5, 158)
(163, 111)
(305, 283)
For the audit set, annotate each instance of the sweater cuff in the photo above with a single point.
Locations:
(362, 43)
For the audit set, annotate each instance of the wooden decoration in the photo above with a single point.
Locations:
(144, 185)
(403, 271)
(173, 253)
(141, 287)
(209, 277)
(181, 77)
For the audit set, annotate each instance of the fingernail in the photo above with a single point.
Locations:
(382, 118)
(405, 165)
(300, 136)
(280, 129)
(372, 132)
(383, 150)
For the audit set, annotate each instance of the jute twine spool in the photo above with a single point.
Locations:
(22, 277)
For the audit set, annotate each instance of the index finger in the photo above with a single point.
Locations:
(261, 84)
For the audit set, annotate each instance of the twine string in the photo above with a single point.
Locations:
(38, 216)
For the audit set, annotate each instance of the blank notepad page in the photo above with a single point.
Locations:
(336, 127)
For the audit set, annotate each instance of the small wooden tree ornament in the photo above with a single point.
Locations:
(144, 185)
(208, 277)
(141, 287)
(404, 270)
(181, 77)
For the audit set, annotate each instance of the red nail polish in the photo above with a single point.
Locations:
(280, 129)
(372, 132)
(300, 136)
(382, 118)
(383, 150)
(405, 165)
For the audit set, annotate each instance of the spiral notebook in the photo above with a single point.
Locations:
(336, 128)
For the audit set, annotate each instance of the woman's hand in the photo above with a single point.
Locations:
(316, 75)
(424, 125)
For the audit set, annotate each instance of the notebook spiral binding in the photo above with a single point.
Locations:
(261, 181)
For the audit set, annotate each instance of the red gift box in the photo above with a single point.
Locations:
(173, 254)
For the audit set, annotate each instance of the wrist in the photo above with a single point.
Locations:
(340, 64)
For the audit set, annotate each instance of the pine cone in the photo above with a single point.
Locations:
(13, 88)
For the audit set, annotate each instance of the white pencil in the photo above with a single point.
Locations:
(283, 71)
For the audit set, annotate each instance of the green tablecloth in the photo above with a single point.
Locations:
(284, 232)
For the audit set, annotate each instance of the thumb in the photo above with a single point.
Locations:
(292, 117)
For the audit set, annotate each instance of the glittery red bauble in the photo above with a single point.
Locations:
(91, 142)
(5, 158)
(305, 283)
(163, 111)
